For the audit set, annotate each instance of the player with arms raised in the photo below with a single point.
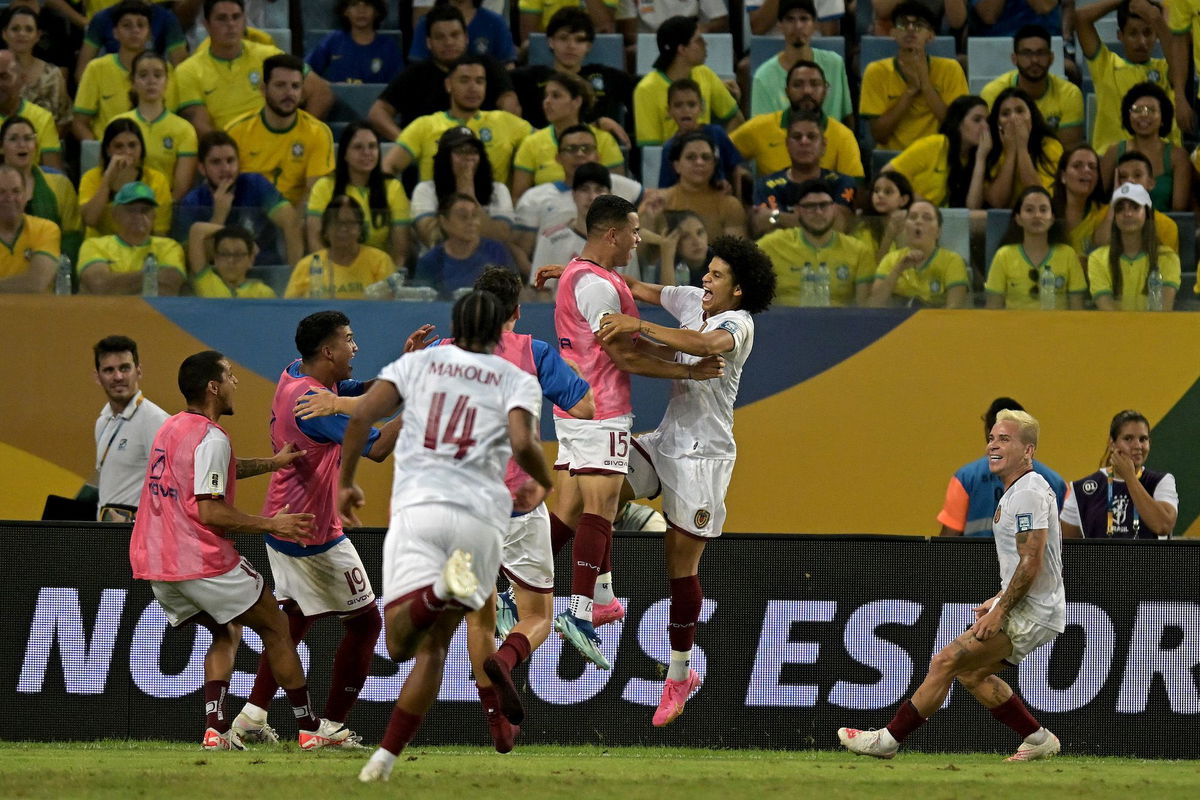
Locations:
(465, 413)
(1029, 611)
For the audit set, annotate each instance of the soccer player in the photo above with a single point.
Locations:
(1029, 610)
(462, 408)
(181, 544)
(689, 458)
(324, 575)
(596, 451)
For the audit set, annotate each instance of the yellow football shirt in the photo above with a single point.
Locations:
(104, 91)
(1052, 151)
(350, 280)
(398, 211)
(500, 132)
(207, 283)
(926, 164)
(1183, 17)
(89, 184)
(1113, 76)
(227, 88)
(538, 151)
(168, 138)
(1134, 272)
(36, 235)
(883, 84)
(848, 260)
(655, 126)
(43, 126)
(1061, 104)
(1013, 275)
(763, 139)
(288, 158)
(929, 282)
(545, 9)
(120, 256)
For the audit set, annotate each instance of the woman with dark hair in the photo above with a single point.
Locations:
(357, 53)
(921, 273)
(461, 166)
(682, 52)
(170, 139)
(695, 158)
(1133, 272)
(1025, 152)
(949, 168)
(463, 254)
(44, 84)
(880, 224)
(347, 265)
(1147, 113)
(357, 174)
(1077, 197)
(1123, 499)
(122, 160)
(1034, 254)
(53, 196)
(567, 100)
(684, 252)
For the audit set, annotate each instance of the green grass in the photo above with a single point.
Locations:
(178, 771)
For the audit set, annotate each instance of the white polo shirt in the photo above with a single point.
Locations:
(123, 449)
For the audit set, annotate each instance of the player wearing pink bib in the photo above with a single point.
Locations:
(466, 412)
(180, 543)
(689, 458)
(324, 575)
(596, 451)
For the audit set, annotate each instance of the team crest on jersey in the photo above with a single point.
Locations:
(376, 64)
(28, 253)
(168, 142)
(482, 45)
(1024, 522)
(255, 78)
(702, 518)
(485, 135)
(1153, 76)
(843, 272)
(1053, 122)
(297, 149)
(935, 286)
(996, 517)
(1090, 486)
(598, 82)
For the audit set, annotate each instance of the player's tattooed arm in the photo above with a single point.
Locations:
(249, 467)
(1031, 548)
(696, 343)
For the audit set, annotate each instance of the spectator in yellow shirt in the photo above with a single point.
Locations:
(1034, 245)
(1024, 152)
(170, 139)
(122, 160)
(29, 246)
(348, 265)
(113, 264)
(222, 272)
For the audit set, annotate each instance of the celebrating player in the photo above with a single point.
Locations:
(1029, 611)
(689, 458)
(180, 544)
(462, 407)
(596, 451)
(324, 575)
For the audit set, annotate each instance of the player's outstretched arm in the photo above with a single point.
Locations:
(382, 447)
(249, 467)
(324, 403)
(696, 343)
(381, 400)
(629, 359)
(1031, 549)
(644, 292)
(216, 513)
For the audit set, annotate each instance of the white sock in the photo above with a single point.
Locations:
(256, 714)
(1037, 737)
(383, 757)
(887, 740)
(681, 662)
(581, 607)
(604, 590)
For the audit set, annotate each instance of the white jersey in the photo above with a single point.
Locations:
(123, 449)
(1030, 505)
(453, 447)
(699, 418)
(553, 203)
(560, 244)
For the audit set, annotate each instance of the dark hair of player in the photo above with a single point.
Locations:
(476, 321)
(608, 211)
(196, 372)
(315, 329)
(998, 405)
(115, 344)
(505, 284)
(752, 271)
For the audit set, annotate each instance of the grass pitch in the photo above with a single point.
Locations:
(120, 769)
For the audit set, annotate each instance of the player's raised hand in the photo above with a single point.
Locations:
(548, 272)
(286, 455)
(529, 496)
(317, 403)
(350, 499)
(614, 325)
(293, 527)
(707, 368)
(419, 339)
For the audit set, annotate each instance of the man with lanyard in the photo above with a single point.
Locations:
(124, 431)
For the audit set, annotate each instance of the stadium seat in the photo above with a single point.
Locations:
(313, 37)
(1187, 242)
(763, 48)
(997, 225)
(89, 155)
(989, 57)
(608, 49)
(282, 38)
(1089, 114)
(275, 15)
(956, 233)
(720, 53)
(879, 159)
(353, 100)
(875, 48)
(652, 156)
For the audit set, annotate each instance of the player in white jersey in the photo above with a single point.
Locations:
(465, 412)
(689, 458)
(1029, 610)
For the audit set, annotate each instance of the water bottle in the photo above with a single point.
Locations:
(824, 291)
(62, 278)
(150, 276)
(396, 282)
(1048, 289)
(316, 278)
(1154, 291)
(808, 286)
(683, 275)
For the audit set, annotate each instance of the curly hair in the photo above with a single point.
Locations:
(752, 271)
(1165, 106)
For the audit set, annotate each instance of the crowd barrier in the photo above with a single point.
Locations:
(798, 636)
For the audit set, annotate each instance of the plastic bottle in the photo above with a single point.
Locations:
(1047, 289)
(62, 278)
(1154, 291)
(316, 278)
(824, 291)
(150, 276)
(683, 275)
(808, 280)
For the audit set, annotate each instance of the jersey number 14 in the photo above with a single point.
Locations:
(460, 416)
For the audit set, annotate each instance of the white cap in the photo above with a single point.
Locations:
(1132, 191)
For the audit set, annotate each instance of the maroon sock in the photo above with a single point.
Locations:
(686, 598)
(514, 650)
(489, 699)
(591, 540)
(302, 708)
(425, 608)
(560, 533)
(1013, 713)
(352, 662)
(606, 562)
(401, 729)
(214, 705)
(265, 684)
(907, 720)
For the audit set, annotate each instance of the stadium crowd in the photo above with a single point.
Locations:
(1000, 153)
